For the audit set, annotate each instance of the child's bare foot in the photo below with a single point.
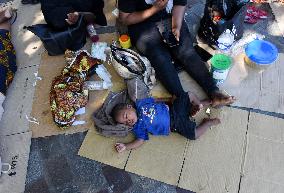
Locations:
(196, 104)
(206, 124)
(219, 99)
(196, 108)
(206, 103)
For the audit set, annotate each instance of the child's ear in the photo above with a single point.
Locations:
(129, 106)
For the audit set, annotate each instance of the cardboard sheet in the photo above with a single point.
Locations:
(51, 67)
(160, 158)
(100, 148)
(18, 102)
(213, 162)
(263, 167)
(15, 150)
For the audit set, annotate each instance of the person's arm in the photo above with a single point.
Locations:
(121, 147)
(139, 16)
(177, 18)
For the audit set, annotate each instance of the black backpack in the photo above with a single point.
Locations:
(209, 31)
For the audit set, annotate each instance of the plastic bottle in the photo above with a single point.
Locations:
(97, 85)
(92, 33)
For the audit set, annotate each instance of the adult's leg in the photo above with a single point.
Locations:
(149, 43)
(55, 12)
(197, 69)
(192, 62)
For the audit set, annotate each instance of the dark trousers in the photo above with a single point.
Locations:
(55, 11)
(181, 122)
(147, 39)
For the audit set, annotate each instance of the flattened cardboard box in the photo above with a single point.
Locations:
(51, 67)
(15, 150)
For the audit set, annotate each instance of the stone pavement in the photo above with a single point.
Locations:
(53, 164)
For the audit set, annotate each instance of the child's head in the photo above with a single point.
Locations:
(125, 114)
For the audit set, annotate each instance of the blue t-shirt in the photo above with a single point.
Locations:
(153, 118)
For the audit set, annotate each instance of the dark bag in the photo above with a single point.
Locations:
(209, 31)
(56, 42)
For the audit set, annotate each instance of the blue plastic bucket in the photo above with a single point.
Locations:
(260, 53)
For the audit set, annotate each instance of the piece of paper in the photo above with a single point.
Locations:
(81, 111)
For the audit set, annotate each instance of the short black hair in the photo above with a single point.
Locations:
(117, 108)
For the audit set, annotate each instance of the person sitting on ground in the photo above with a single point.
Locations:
(141, 17)
(61, 14)
(158, 118)
(8, 65)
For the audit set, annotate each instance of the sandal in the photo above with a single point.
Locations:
(250, 18)
(33, 2)
(258, 13)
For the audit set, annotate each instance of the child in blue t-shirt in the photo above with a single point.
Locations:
(159, 119)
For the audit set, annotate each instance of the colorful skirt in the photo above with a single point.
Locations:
(8, 65)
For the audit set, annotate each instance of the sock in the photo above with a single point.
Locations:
(2, 98)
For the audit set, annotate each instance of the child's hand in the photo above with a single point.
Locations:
(120, 147)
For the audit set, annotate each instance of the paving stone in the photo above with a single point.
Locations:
(103, 191)
(15, 151)
(37, 186)
(119, 179)
(180, 190)
(197, 9)
(191, 3)
(144, 184)
(88, 175)
(192, 23)
(35, 166)
(58, 171)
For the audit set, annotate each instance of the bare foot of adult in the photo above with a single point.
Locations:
(206, 124)
(219, 99)
(196, 104)
(206, 103)
(5, 15)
